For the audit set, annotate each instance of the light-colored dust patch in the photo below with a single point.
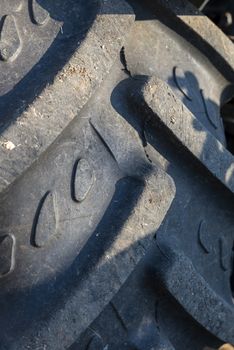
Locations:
(8, 145)
(223, 347)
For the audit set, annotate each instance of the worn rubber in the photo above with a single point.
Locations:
(116, 204)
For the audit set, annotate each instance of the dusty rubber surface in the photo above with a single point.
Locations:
(116, 208)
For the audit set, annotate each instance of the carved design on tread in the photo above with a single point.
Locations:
(224, 254)
(95, 343)
(202, 237)
(82, 180)
(180, 77)
(207, 110)
(100, 137)
(39, 15)
(45, 221)
(7, 254)
(9, 39)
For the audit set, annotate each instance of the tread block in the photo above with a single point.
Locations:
(91, 234)
(55, 72)
(162, 106)
(178, 275)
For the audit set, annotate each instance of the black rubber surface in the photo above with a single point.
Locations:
(116, 204)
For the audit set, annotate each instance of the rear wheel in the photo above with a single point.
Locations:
(117, 186)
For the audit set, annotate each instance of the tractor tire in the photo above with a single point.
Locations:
(116, 186)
